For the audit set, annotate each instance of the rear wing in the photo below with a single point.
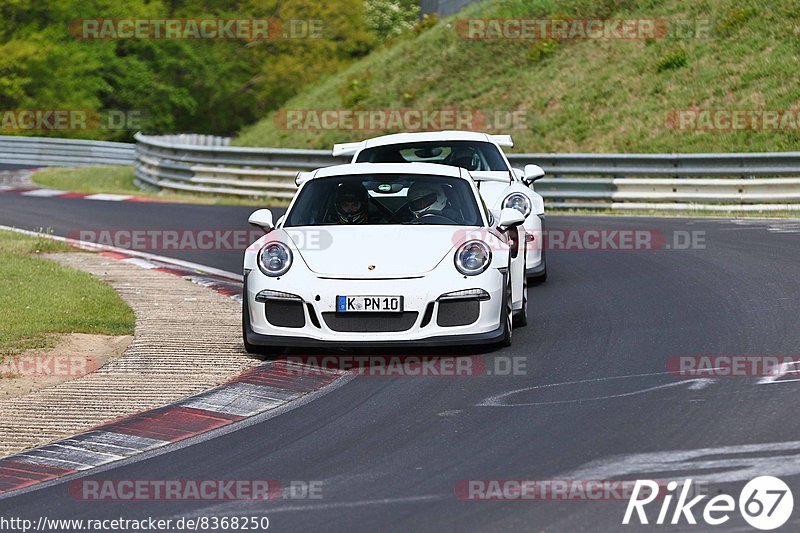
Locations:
(503, 140)
(345, 149)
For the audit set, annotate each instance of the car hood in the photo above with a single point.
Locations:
(493, 192)
(392, 251)
(501, 176)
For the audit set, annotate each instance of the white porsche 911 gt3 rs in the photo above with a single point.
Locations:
(500, 185)
(384, 255)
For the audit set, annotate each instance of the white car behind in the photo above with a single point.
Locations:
(500, 185)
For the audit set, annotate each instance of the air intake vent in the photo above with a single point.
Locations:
(370, 322)
(457, 313)
(285, 314)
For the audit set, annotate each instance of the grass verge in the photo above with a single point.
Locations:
(579, 95)
(41, 298)
(120, 180)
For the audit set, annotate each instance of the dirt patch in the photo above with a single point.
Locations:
(74, 356)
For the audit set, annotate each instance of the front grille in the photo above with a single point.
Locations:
(457, 313)
(285, 314)
(370, 322)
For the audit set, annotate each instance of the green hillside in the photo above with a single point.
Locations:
(609, 95)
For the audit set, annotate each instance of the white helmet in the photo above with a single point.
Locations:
(425, 198)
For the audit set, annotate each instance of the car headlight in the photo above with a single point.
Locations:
(274, 259)
(518, 201)
(473, 257)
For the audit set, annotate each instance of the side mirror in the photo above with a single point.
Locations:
(262, 218)
(509, 218)
(533, 173)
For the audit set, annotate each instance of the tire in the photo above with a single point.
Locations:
(521, 315)
(542, 276)
(264, 352)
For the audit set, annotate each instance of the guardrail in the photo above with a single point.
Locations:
(48, 151)
(182, 165)
(620, 181)
(742, 182)
(208, 164)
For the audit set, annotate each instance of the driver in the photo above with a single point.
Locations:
(352, 202)
(465, 158)
(426, 199)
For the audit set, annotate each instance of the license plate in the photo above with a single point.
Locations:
(369, 304)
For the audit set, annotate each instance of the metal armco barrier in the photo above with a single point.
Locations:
(182, 165)
(665, 165)
(208, 164)
(619, 181)
(48, 151)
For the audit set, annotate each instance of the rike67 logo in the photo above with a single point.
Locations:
(765, 503)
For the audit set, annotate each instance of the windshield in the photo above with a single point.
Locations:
(471, 155)
(385, 199)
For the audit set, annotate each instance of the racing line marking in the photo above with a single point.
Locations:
(499, 399)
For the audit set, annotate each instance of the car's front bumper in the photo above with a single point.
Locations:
(489, 337)
(321, 326)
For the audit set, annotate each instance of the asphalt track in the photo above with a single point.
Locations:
(390, 452)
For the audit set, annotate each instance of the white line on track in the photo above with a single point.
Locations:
(783, 370)
(103, 248)
(243, 507)
(108, 197)
(499, 400)
(43, 192)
